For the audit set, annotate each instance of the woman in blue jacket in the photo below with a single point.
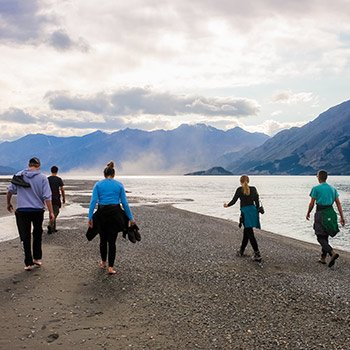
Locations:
(249, 201)
(109, 194)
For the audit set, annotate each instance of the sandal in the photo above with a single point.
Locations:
(28, 268)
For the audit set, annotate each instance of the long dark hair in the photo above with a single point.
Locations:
(109, 169)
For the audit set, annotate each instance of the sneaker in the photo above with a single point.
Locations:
(257, 257)
(322, 260)
(19, 181)
(334, 257)
(239, 253)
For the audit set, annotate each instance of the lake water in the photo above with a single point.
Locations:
(285, 199)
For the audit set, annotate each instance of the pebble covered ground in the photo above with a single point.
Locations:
(181, 287)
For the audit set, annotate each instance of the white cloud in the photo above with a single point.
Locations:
(272, 127)
(276, 113)
(290, 97)
(202, 44)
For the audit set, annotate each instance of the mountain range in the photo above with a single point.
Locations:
(135, 151)
(322, 143)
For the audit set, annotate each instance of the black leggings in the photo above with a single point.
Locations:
(108, 234)
(108, 239)
(110, 221)
(248, 235)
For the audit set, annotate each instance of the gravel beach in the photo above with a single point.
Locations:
(181, 287)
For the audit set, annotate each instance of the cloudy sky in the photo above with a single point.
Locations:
(69, 67)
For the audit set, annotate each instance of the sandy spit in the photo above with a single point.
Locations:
(181, 287)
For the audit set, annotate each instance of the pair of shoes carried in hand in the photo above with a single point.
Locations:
(133, 233)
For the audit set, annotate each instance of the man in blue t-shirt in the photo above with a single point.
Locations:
(324, 195)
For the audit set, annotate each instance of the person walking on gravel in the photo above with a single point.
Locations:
(33, 192)
(249, 202)
(324, 195)
(109, 194)
(57, 188)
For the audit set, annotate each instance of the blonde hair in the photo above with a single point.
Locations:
(244, 180)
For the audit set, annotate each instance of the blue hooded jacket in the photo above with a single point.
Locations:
(32, 197)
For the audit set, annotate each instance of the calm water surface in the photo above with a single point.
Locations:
(285, 199)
